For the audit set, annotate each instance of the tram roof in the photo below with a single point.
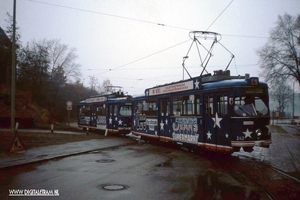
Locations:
(230, 83)
(105, 98)
(220, 79)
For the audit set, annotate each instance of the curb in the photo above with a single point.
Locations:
(60, 156)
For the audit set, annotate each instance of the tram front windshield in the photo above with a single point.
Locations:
(250, 105)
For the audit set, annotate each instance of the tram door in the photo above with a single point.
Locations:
(111, 120)
(93, 122)
(216, 118)
(223, 125)
(210, 122)
(164, 118)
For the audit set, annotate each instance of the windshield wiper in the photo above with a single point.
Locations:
(243, 109)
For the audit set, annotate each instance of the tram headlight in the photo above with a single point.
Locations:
(258, 132)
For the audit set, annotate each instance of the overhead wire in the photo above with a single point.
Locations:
(142, 68)
(145, 21)
(219, 41)
(145, 57)
(173, 45)
(220, 14)
(110, 15)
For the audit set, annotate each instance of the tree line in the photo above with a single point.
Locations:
(48, 71)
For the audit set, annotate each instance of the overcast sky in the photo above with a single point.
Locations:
(141, 43)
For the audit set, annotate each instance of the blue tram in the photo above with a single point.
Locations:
(218, 112)
(108, 112)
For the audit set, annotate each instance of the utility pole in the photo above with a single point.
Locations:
(13, 74)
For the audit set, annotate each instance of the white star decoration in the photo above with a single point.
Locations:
(226, 135)
(247, 133)
(166, 121)
(217, 121)
(162, 126)
(208, 135)
(196, 84)
(110, 120)
(120, 122)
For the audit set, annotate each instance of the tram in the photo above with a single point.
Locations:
(218, 112)
(110, 112)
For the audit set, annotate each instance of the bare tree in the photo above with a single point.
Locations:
(63, 68)
(280, 57)
(93, 83)
(45, 68)
(62, 56)
(105, 86)
(32, 70)
(281, 93)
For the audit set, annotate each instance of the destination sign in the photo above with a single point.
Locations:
(96, 99)
(178, 87)
(254, 90)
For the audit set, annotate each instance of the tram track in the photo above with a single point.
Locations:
(294, 159)
(285, 174)
(273, 182)
(287, 128)
(232, 166)
(271, 175)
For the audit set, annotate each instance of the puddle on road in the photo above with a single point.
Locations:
(214, 185)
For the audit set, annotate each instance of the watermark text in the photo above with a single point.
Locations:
(32, 192)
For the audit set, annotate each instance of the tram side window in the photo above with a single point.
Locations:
(209, 101)
(85, 110)
(125, 110)
(115, 109)
(186, 105)
(177, 106)
(101, 111)
(147, 107)
(165, 106)
(222, 105)
(198, 106)
(110, 109)
(189, 105)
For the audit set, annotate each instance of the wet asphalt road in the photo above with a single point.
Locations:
(144, 170)
(139, 171)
